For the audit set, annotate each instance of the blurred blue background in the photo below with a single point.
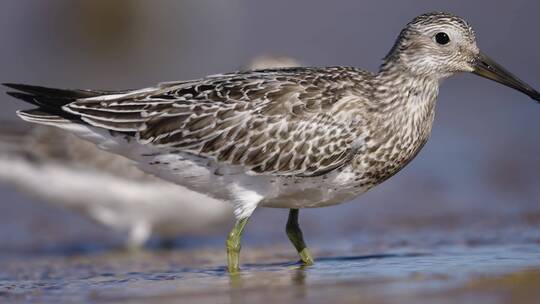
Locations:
(479, 170)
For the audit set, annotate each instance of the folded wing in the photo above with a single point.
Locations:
(269, 122)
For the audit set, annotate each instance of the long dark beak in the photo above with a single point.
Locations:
(486, 67)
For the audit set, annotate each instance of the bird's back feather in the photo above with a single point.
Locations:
(268, 121)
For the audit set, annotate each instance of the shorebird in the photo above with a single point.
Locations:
(69, 172)
(287, 138)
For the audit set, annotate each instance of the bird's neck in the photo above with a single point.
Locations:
(400, 94)
(397, 87)
(401, 111)
(405, 103)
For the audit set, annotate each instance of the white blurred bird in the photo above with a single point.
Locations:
(71, 173)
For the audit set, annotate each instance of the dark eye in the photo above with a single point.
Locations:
(442, 38)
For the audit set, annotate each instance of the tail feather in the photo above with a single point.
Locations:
(44, 117)
(51, 110)
(49, 102)
(57, 93)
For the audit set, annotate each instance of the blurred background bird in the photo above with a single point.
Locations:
(69, 173)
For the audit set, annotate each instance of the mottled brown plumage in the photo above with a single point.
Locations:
(269, 121)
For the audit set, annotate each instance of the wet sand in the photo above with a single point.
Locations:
(423, 266)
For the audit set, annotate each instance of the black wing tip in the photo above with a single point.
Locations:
(26, 88)
(20, 95)
(35, 89)
(15, 93)
(54, 92)
(18, 86)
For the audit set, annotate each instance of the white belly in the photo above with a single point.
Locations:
(234, 184)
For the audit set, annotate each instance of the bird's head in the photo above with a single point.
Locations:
(441, 44)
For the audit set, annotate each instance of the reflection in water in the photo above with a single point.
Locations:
(298, 279)
(377, 274)
(155, 276)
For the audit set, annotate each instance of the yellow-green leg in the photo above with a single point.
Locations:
(295, 235)
(233, 245)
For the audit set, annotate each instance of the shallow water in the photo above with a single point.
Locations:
(380, 268)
